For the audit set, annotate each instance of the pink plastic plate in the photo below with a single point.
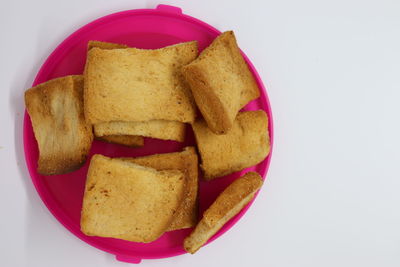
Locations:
(62, 194)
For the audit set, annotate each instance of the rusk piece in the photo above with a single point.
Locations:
(245, 145)
(138, 85)
(229, 203)
(128, 201)
(186, 162)
(63, 136)
(126, 140)
(160, 129)
(221, 82)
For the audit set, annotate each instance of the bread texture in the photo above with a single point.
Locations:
(221, 82)
(138, 85)
(126, 140)
(104, 45)
(160, 129)
(186, 162)
(245, 145)
(128, 201)
(229, 203)
(63, 136)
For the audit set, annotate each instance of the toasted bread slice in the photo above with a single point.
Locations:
(161, 129)
(229, 203)
(138, 85)
(126, 140)
(128, 201)
(245, 145)
(221, 82)
(187, 162)
(63, 136)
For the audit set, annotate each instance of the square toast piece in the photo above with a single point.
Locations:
(63, 136)
(133, 84)
(128, 201)
(229, 203)
(187, 162)
(221, 82)
(245, 145)
(120, 131)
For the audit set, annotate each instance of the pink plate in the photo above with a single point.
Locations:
(62, 194)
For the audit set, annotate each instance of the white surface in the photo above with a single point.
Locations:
(332, 71)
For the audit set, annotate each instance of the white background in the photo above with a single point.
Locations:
(332, 69)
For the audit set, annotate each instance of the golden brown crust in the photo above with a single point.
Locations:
(151, 79)
(104, 45)
(229, 203)
(126, 140)
(187, 162)
(56, 111)
(231, 196)
(161, 129)
(221, 82)
(245, 145)
(128, 201)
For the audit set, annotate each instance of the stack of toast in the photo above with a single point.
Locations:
(126, 94)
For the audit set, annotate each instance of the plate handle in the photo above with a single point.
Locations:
(169, 9)
(128, 259)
